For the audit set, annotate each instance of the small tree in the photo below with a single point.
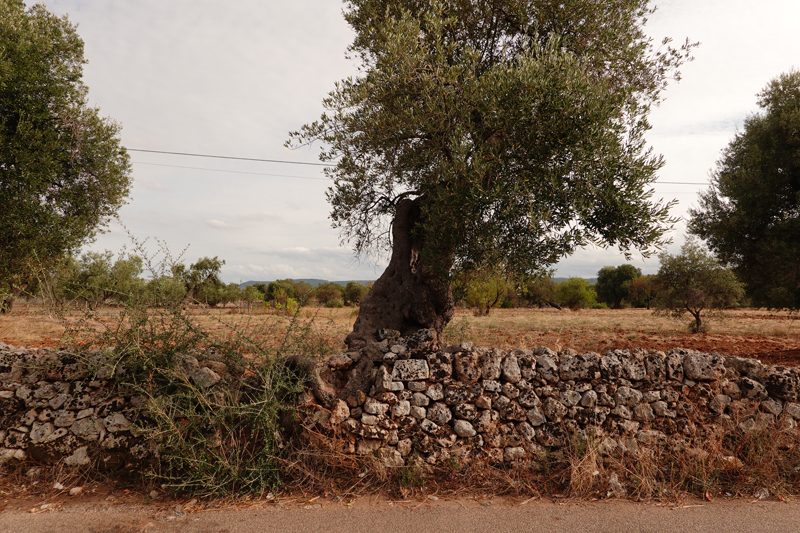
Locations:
(694, 281)
(485, 289)
(329, 294)
(575, 293)
(539, 290)
(614, 284)
(354, 292)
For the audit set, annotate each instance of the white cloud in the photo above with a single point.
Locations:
(218, 224)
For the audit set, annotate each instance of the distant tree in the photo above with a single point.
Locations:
(280, 290)
(750, 217)
(614, 284)
(329, 293)
(643, 291)
(694, 282)
(575, 293)
(538, 290)
(353, 292)
(63, 171)
(202, 281)
(485, 289)
(251, 294)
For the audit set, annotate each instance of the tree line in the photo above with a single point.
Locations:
(99, 278)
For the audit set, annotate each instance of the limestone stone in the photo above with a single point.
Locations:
(570, 398)
(440, 413)
(487, 421)
(772, 406)
(435, 392)
(511, 370)
(703, 367)
(420, 400)
(402, 408)
(418, 412)
(512, 454)
(116, 422)
(547, 367)
(40, 431)
(375, 407)
(464, 429)
(465, 411)
(536, 417)
(554, 410)
(79, 457)
(752, 389)
(429, 426)
(367, 446)
(589, 399)
(467, 367)
(643, 412)
(490, 364)
(627, 396)
(410, 370)
(417, 386)
(340, 361)
(528, 399)
(340, 412)
(580, 366)
(404, 447)
(782, 383)
(87, 429)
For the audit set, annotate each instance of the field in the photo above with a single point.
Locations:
(773, 337)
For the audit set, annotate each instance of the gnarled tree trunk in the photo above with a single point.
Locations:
(409, 295)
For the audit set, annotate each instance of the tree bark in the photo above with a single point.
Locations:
(409, 295)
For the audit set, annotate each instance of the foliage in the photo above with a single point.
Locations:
(538, 290)
(694, 281)
(518, 124)
(63, 172)
(219, 441)
(326, 293)
(575, 293)
(614, 284)
(750, 216)
(202, 282)
(643, 291)
(353, 292)
(485, 289)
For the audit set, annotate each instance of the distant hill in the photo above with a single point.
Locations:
(311, 281)
(591, 281)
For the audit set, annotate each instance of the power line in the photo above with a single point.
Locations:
(230, 171)
(229, 157)
(291, 163)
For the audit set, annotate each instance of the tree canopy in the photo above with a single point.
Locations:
(514, 126)
(614, 284)
(520, 122)
(750, 216)
(694, 281)
(62, 169)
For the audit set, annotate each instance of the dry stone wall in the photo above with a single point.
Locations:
(426, 406)
(408, 403)
(57, 407)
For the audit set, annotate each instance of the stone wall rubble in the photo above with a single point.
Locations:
(463, 401)
(406, 402)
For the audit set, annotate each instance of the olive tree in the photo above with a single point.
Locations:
(484, 133)
(614, 284)
(750, 216)
(695, 282)
(63, 172)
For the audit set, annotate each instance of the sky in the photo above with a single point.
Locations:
(234, 78)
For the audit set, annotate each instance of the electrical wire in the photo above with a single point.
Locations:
(230, 171)
(229, 157)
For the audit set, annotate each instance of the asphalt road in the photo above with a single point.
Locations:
(465, 515)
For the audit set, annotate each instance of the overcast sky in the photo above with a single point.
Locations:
(233, 78)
